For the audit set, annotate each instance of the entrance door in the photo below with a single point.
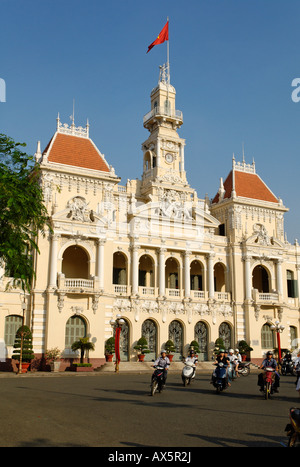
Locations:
(124, 342)
(201, 338)
(176, 335)
(149, 331)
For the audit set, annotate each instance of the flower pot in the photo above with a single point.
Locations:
(54, 366)
(244, 357)
(170, 357)
(108, 357)
(141, 357)
(25, 366)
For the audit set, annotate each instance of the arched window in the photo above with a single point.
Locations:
(294, 337)
(75, 329)
(12, 324)
(267, 337)
(75, 263)
(261, 279)
(119, 269)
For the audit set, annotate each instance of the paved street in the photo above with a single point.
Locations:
(116, 410)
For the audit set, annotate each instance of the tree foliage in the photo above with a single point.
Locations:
(22, 212)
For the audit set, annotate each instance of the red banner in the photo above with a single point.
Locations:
(117, 344)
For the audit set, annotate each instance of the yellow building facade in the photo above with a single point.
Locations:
(173, 266)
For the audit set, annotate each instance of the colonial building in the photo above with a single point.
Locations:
(172, 265)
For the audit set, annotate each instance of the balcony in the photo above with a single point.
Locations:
(77, 285)
(265, 297)
(161, 112)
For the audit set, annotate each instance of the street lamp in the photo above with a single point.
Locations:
(117, 325)
(278, 328)
(23, 305)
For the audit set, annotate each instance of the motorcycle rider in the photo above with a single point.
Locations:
(234, 364)
(270, 362)
(221, 358)
(192, 358)
(164, 362)
(297, 368)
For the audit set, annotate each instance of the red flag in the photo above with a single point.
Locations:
(162, 36)
(117, 344)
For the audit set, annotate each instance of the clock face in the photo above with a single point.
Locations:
(169, 158)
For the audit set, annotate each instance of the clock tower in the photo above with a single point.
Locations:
(163, 151)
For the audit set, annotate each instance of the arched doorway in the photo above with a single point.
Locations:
(201, 336)
(260, 279)
(172, 273)
(219, 277)
(146, 271)
(124, 341)
(149, 331)
(75, 263)
(196, 274)
(119, 269)
(225, 335)
(176, 335)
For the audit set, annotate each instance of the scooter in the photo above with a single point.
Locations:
(269, 378)
(244, 368)
(219, 377)
(157, 380)
(188, 372)
(287, 367)
(293, 428)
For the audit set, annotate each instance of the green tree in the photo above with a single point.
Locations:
(83, 345)
(22, 212)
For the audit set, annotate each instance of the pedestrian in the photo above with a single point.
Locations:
(297, 368)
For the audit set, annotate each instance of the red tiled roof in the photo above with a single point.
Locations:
(75, 151)
(247, 185)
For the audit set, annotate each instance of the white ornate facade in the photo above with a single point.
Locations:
(171, 264)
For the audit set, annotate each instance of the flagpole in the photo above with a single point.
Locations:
(168, 64)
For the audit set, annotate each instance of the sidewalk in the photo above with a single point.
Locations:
(125, 367)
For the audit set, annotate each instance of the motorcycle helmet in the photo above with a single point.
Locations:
(221, 351)
(163, 351)
(230, 350)
(269, 352)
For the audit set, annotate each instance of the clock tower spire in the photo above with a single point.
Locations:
(163, 151)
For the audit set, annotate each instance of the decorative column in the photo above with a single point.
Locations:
(53, 261)
(187, 278)
(100, 262)
(161, 275)
(298, 277)
(135, 269)
(279, 277)
(248, 281)
(211, 284)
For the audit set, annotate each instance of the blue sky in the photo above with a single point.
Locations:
(232, 64)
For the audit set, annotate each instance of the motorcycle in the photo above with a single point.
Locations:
(269, 378)
(244, 368)
(219, 377)
(188, 372)
(157, 380)
(287, 367)
(293, 428)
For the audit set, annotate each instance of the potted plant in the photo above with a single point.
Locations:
(194, 346)
(244, 349)
(170, 347)
(23, 348)
(53, 357)
(142, 347)
(83, 345)
(219, 344)
(109, 349)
